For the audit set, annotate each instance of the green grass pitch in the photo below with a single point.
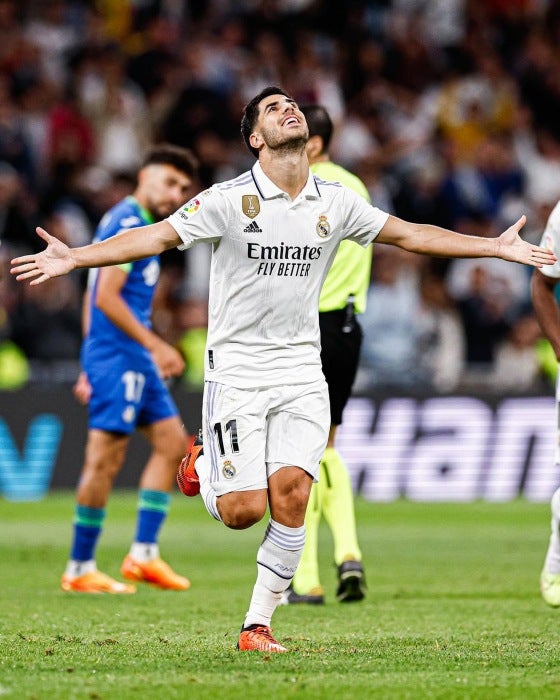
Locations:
(453, 611)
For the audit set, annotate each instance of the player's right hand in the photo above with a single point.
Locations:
(55, 260)
(82, 389)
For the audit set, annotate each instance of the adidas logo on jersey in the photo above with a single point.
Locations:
(253, 228)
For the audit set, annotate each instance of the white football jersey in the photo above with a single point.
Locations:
(551, 239)
(270, 257)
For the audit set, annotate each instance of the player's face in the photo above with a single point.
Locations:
(280, 123)
(165, 189)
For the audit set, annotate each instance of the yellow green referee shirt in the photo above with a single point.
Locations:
(351, 269)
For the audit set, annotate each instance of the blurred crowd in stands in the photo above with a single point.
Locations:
(448, 110)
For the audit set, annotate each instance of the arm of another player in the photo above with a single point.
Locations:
(82, 387)
(433, 240)
(546, 308)
(58, 259)
(109, 299)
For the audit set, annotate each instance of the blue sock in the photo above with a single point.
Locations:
(88, 523)
(153, 507)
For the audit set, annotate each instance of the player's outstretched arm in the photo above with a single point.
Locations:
(58, 259)
(432, 240)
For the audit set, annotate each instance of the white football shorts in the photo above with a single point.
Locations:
(251, 433)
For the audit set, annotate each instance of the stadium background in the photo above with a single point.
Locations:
(448, 112)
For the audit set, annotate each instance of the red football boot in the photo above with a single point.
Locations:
(187, 478)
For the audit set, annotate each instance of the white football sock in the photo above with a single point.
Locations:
(75, 568)
(277, 561)
(206, 491)
(552, 561)
(144, 551)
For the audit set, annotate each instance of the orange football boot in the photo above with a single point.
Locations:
(258, 638)
(156, 571)
(95, 582)
(187, 478)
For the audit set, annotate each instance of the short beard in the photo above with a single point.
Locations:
(294, 146)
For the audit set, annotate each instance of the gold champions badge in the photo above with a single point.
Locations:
(250, 205)
(323, 227)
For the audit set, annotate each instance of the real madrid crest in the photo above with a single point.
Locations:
(323, 227)
(228, 470)
(250, 205)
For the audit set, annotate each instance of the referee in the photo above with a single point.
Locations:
(342, 297)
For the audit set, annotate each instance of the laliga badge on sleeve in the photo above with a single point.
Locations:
(192, 206)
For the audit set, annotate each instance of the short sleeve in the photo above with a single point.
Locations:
(551, 239)
(362, 222)
(203, 218)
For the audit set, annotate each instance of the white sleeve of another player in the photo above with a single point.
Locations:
(551, 239)
(363, 222)
(203, 218)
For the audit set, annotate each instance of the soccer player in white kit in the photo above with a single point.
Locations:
(274, 231)
(546, 307)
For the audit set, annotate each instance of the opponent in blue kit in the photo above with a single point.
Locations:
(127, 386)
(266, 410)
(125, 364)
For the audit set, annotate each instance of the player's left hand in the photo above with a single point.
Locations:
(55, 260)
(168, 359)
(512, 247)
(82, 389)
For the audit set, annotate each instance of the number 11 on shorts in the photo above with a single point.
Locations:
(231, 428)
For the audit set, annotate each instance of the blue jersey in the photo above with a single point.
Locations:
(104, 341)
(127, 389)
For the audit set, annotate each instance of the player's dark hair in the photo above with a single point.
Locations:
(251, 114)
(181, 159)
(319, 123)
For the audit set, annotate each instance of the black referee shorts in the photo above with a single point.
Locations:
(340, 353)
